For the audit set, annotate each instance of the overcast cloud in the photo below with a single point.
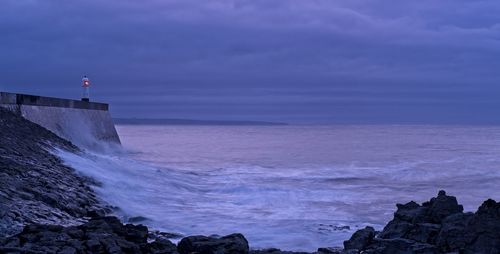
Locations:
(279, 60)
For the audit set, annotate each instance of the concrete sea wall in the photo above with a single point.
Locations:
(82, 123)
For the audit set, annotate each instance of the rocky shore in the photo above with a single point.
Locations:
(436, 226)
(35, 187)
(45, 207)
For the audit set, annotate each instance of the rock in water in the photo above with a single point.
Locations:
(230, 244)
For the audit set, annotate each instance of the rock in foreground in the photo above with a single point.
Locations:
(99, 235)
(231, 244)
(109, 235)
(437, 226)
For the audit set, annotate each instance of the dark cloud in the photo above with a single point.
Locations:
(282, 60)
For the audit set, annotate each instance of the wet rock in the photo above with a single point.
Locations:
(93, 245)
(396, 229)
(162, 246)
(411, 212)
(400, 245)
(421, 222)
(163, 235)
(275, 251)
(230, 244)
(267, 251)
(439, 226)
(482, 233)
(360, 239)
(35, 186)
(424, 232)
(332, 228)
(67, 250)
(100, 235)
(452, 234)
(336, 251)
(95, 213)
(442, 206)
(136, 233)
(74, 232)
(12, 242)
(137, 219)
(404, 218)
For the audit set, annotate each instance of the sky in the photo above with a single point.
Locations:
(297, 61)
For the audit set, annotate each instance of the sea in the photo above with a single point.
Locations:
(293, 187)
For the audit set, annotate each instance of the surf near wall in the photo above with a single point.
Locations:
(83, 123)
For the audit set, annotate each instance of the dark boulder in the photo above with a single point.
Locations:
(452, 234)
(336, 251)
(396, 228)
(442, 206)
(230, 244)
(136, 233)
(482, 233)
(404, 218)
(96, 213)
(411, 212)
(276, 251)
(424, 232)
(330, 251)
(400, 246)
(360, 239)
(36, 228)
(103, 224)
(161, 246)
(267, 251)
(439, 226)
(421, 222)
(99, 235)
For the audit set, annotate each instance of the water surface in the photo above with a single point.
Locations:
(291, 187)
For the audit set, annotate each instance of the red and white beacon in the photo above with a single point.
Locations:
(85, 85)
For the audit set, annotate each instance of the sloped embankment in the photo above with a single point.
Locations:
(35, 186)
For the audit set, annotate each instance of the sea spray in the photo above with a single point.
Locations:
(211, 203)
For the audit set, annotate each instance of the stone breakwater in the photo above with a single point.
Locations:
(45, 207)
(83, 123)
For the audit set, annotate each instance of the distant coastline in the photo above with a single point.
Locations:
(143, 121)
